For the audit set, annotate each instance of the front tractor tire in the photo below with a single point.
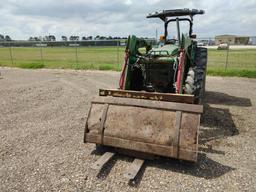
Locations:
(196, 77)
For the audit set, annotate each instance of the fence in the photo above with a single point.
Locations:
(236, 57)
(111, 57)
(72, 56)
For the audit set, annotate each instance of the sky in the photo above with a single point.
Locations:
(24, 18)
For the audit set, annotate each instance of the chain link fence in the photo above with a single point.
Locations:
(235, 57)
(72, 56)
(106, 56)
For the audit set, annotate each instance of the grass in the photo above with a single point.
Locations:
(232, 73)
(237, 58)
(97, 58)
(241, 62)
(31, 65)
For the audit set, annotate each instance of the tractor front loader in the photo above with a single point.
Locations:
(156, 110)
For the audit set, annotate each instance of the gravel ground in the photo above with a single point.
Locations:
(42, 117)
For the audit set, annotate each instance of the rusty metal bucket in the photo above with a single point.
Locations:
(146, 125)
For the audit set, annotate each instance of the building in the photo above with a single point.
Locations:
(253, 40)
(232, 39)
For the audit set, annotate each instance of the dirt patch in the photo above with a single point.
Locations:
(42, 118)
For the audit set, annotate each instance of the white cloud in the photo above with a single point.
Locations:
(21, 19)
(128, 2)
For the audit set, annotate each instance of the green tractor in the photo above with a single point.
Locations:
(174, 66)
(156, 110)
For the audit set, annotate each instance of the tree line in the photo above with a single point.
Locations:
(5, 38)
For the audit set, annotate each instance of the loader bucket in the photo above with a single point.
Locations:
(145, 122)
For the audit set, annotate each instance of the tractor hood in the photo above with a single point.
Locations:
(165, 50)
